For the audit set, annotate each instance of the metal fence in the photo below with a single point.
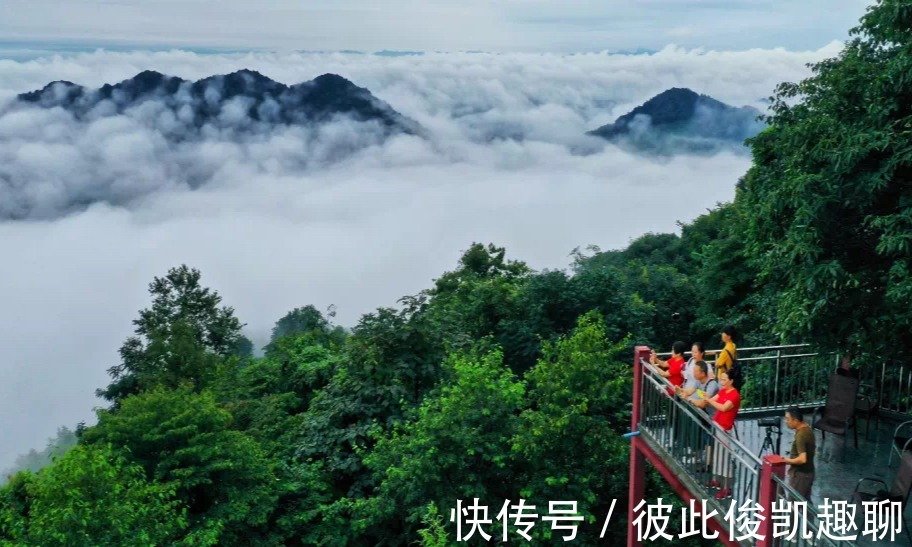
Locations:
(779, 376)
(715, 465)
(699, 452)
(891, 383)
(797, 520)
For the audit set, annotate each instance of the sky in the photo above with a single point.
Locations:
(271, 233)
(432, 25)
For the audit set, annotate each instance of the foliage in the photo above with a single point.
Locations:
(182, 338)
(35, 460)
(434, 533)
(827, 202)
(90, 496)
(391, 360)
(308, 321)
(455, 446)
(578, 396)
(184, 439)
(244, 347)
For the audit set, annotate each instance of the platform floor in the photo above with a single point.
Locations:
(840, 465)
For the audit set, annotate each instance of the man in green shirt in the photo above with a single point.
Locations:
(801, 456)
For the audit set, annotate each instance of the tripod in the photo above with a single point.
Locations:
(768, 447)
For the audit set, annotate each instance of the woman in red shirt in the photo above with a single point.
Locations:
(727, 403)
(674, 366)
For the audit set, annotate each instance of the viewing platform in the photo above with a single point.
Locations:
(680, 441)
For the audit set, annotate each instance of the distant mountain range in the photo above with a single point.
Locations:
(677, 120)
(173, 121)
(234, 99)
(167, 132)
(681, 120)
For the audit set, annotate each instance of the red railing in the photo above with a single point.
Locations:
(674, 436)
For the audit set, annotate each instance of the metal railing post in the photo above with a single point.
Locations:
(776, 384)
(773, 465)
(637, 460)
(882, 388)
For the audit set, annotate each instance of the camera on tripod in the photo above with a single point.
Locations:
(773, 427)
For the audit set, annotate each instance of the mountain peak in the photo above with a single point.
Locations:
(203, 101)
(56, 90)
(249, 72)
(331, 79)
(678, 93)
(149, 75)
(682, 118)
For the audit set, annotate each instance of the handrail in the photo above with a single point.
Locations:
(790, 356)
(756, 348)
(784, 492)
(658, 378)
(779, 376)
(688, 441)
(705, 460)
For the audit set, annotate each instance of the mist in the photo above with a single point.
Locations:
(276, 218)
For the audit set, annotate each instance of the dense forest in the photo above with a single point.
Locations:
(497, 382)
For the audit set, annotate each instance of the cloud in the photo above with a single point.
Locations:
(508, 25)
(272, 230)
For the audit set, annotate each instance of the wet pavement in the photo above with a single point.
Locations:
(839, 465)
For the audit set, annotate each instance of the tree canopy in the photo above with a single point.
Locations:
(827, 204)
(498, 381)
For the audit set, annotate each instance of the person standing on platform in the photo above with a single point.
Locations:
(801, 456)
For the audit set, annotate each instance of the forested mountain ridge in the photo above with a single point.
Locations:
(681, 120)
(242, 97)
(476, 386)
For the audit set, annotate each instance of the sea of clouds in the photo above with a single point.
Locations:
(282, 220)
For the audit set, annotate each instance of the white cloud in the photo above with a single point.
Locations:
(271, 231)
(507, 25)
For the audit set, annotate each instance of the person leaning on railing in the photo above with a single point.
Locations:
(726, 403)
(697, 353)
(728, 354)
(673, 368)
(701, 383)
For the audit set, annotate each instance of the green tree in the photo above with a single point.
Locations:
(391, 360)
(434, 533)
(545, 306)
(90, 496)
(306, 320)
(828, 202)
(455, 446)
(470, 302)
(578, 395)
(724, 279)
(34, 460)
(244, 347)
(184, 439)
(606, 290)
(268, 397)
(182, 338)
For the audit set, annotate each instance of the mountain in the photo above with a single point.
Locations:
(681, 120)
(235, 99)
(122, 142)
